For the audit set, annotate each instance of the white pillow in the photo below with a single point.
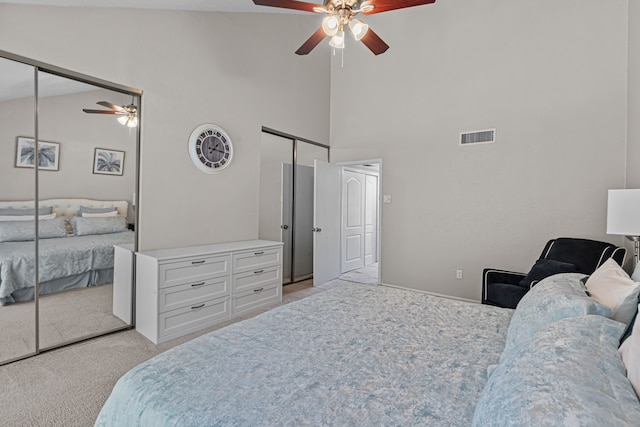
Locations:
(630, 352)
(99, 215)
(26, 217)
(611, 285)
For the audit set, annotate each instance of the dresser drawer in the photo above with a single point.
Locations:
(252, 299)
(194, 270)
(179, 296)
(182, 321)
(256, 279)
(256, 259)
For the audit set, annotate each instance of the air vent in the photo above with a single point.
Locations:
(478, 137)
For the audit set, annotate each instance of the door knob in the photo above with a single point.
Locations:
(285, 227)
(316, 230)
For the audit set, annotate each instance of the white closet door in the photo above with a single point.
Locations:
(353, 227)
(370, 219)
(326, 238)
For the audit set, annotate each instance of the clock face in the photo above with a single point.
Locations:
(210, 148)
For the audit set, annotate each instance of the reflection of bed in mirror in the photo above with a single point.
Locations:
(67, 260)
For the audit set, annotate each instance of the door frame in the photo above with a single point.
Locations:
(353, 164)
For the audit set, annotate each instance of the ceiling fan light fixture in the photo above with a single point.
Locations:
(358, 28)
(330, 25)
(132, 122)
(337, 41)
(123, 119)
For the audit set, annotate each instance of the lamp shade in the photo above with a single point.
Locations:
(623, 212)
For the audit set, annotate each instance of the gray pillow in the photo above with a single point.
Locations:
(553, 298)
(84, 209)
(24, 231)
(21, 212)
(88, 226)
(570, 373)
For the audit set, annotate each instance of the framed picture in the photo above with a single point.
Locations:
(108, 162)
(48, 154)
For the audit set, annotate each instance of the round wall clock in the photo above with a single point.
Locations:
(210, 148)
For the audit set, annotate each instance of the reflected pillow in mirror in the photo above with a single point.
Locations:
(24, 231)
(99, 214)
(21, 212)
(88, 226)
(4, 218)
(84, 209)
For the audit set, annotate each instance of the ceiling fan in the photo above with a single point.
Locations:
(341, 14)
(128, 113)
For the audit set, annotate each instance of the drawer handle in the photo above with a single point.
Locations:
(197, 262)
(258, 272)
(258, 290)
(197, 306)
(197, 284)
(258, 253)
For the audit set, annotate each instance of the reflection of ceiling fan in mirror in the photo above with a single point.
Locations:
(341, 14)
(128, 113)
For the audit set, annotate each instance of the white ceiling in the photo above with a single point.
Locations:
(205, 5)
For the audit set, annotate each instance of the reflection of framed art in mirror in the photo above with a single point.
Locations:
(48, 154)
(108, 162)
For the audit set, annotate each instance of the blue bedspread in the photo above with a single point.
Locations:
(61, 257)
(358, 355)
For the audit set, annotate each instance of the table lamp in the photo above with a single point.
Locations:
(623, 217)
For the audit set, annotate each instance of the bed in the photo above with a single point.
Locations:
(67, 260)
(375, 355)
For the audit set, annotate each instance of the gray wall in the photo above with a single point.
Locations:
(235, 70)
(551, 76)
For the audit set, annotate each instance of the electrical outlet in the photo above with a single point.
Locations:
(458, 274)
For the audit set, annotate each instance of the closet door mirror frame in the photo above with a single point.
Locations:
(294, 141)
(99, 83)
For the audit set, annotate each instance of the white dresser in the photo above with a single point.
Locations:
(183, 290)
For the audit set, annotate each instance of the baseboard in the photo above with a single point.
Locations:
(434, 294)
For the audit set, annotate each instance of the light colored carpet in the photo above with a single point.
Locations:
(64, 317)
(68, 386)
(367, 275)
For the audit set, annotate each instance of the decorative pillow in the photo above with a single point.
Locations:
(21, 212)
(24, 231)
(544, 268)
(630, 352)
(84, 209)
(26, 217)
(554, 298)
(99, 215)
(612, 286)
(87, 226)
(569, 374)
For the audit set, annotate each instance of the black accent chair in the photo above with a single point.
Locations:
(563, 255)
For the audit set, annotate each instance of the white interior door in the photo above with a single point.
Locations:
(353, 228)
(371, 219)
(326, 220)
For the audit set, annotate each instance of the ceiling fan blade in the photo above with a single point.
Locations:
(110, 105)
(387, 5)
(374, 42)
(288, 4)
(311, 42)
(86, 110)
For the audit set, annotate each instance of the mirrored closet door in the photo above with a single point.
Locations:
(17, 227)
(67, 206)
(91, 189)
(286, 199)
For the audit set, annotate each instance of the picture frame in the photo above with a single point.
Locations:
(48, 154)
(108, 162)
